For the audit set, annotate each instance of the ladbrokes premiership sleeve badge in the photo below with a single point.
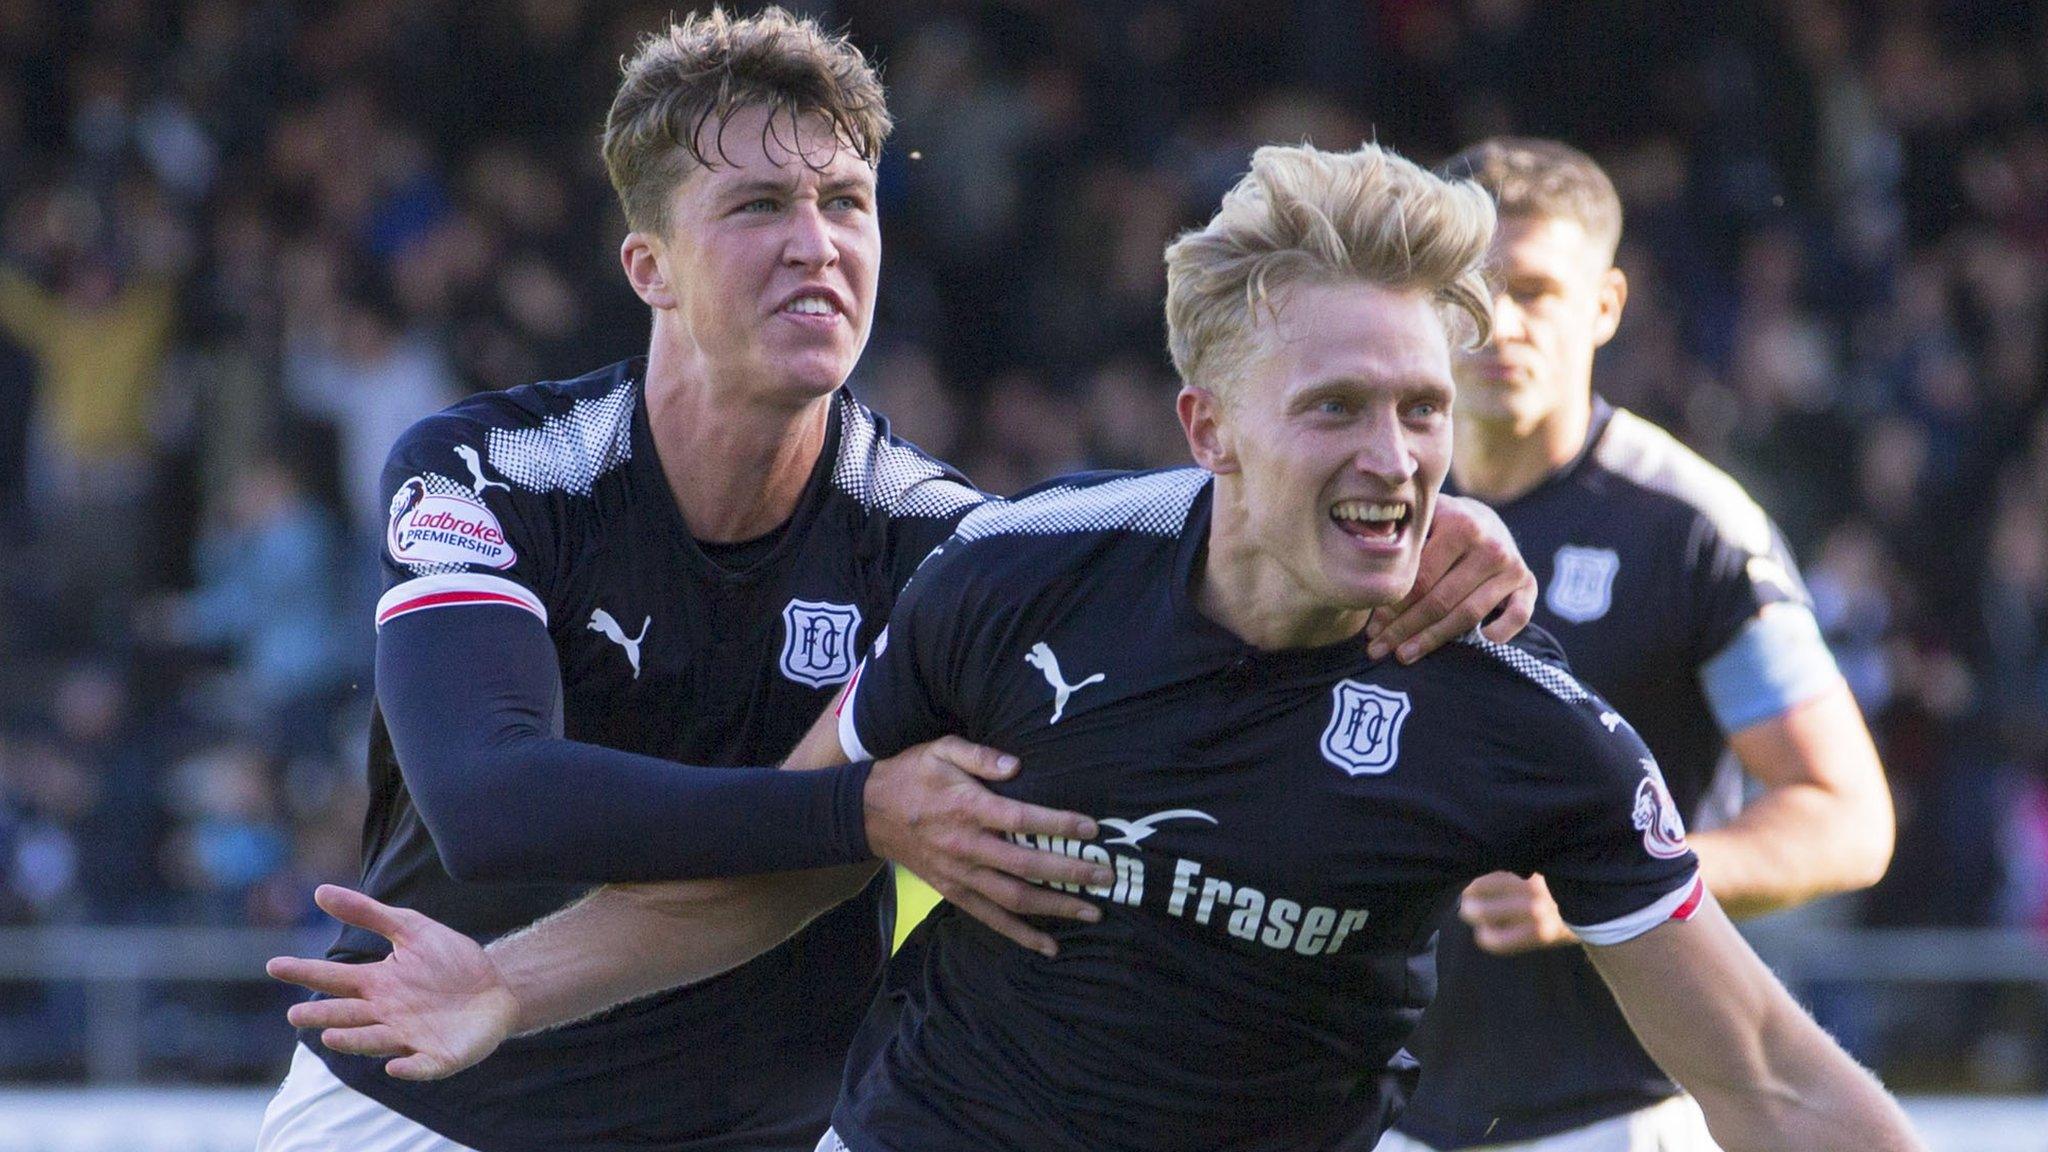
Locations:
(437, 521)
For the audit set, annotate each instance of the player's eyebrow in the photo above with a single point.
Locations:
(1540, 282)
(1434, 391)
(759, 186)
(775, 186)
(863, 183)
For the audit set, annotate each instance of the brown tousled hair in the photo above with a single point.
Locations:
(695, 74)
(1531, 178)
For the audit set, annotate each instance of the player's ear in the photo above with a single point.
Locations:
(644, 258)
(1613, 295)
(1209, 438)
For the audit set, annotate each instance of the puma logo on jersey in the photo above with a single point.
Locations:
(1611, 720)
(601, 621)
(1134, 831)
(477, 483)
(1041, 658)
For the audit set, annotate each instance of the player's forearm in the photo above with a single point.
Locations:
(1718, 1022)
(1772, 858)
(624, 942)
(467, 695)
(553, 810)
(1812, 1096)
(1824, 822)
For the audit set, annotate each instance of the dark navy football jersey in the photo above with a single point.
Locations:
(1285, 828)
(551, 499)
(1677, 600)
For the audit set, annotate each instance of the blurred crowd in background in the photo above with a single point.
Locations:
(245, 243)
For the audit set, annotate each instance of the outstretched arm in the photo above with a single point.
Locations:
(439, 1002)
(1767, 1077)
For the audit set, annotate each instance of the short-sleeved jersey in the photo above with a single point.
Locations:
(1284, 827)
(1652, 563)
(552, 498)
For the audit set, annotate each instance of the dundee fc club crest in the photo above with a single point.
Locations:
(1582, 583)
(1364, 736)
(817, 642)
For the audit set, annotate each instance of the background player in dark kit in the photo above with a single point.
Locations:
(1186, 650)
(668, 562)
(1676, 599)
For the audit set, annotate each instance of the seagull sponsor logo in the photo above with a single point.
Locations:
(1134, 832)
(1196, 896)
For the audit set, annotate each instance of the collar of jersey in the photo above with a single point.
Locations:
(647, 458)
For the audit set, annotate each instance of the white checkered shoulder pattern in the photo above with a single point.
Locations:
(568, 452)
(890, 477)
(1152, 503)
(1553, 680)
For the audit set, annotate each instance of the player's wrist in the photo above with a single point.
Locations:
(880, 810)
(511, 1006)
(851, 812)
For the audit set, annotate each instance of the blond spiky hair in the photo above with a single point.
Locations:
(1305, 215)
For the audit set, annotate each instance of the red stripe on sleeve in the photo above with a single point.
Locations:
(445, 599)
(847, 695)
(1692, 903)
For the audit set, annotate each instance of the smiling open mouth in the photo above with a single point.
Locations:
(1371, 519)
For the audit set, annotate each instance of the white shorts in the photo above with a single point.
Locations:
(1675, 1125)
(831, 1142)
(315, 1112)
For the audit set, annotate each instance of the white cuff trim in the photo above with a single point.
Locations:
(1678, 904)
(849, 735)
(455, 588)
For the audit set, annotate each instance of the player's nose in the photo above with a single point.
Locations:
(1383, 453)
(809, 243)
(1507, 318)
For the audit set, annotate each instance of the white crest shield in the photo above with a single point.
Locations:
(817, 642)
(1364, 735)
(1582, 583)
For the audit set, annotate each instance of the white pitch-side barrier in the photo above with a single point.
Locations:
(225, 1120)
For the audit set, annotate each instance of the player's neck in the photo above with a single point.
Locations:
(736, 469)
(1499, 460)
(1257, 600)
